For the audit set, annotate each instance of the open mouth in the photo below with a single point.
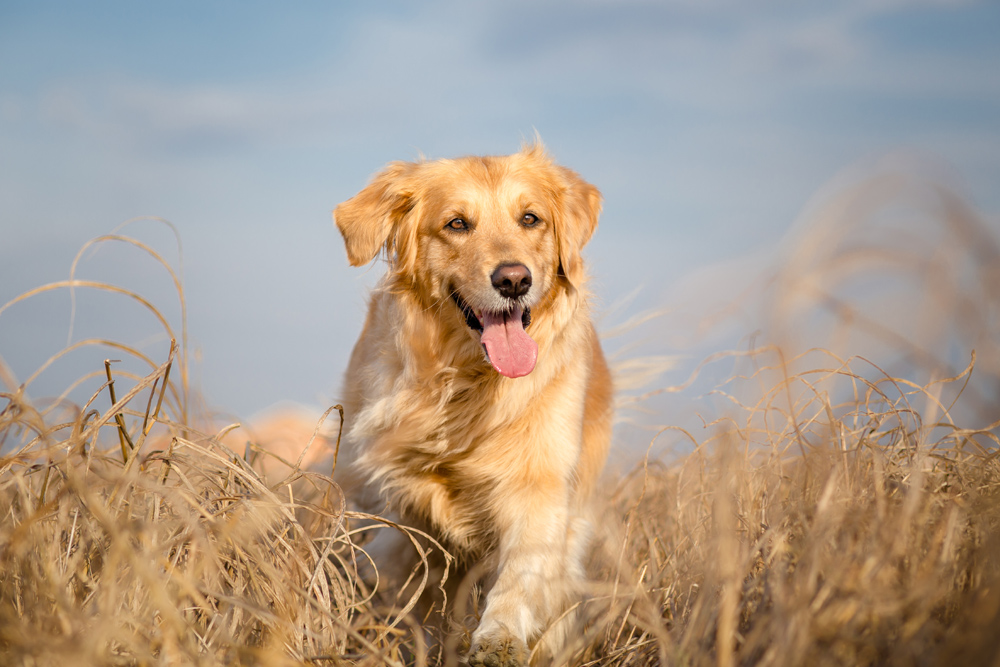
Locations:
(509, 349)
(475, 321)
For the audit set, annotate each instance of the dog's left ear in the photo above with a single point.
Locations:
(581, 206)
(369, 220)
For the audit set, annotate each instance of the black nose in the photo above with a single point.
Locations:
(512, 280)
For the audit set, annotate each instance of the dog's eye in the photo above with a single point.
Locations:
(458, 224)
(529, 220)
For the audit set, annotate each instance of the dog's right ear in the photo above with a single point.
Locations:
(368, 221)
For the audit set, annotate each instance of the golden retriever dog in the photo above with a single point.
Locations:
(478, 401)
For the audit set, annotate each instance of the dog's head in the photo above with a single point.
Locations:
(491, 236)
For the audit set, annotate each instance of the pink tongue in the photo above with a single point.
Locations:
(510, 350)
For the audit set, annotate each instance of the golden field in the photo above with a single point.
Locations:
(833, 511)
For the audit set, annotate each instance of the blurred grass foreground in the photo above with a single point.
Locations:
(840, 507)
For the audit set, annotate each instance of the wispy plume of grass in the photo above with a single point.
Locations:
(900, 269)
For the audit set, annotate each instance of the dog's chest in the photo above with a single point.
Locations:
(468, 417)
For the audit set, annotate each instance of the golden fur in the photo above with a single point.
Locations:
(499, 468)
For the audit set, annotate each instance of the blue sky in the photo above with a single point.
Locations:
(708, 126)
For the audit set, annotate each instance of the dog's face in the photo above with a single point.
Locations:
(490, 238)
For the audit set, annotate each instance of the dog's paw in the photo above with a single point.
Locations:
(498, 651)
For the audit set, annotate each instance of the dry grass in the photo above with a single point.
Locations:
(813, 533)
(832, 514)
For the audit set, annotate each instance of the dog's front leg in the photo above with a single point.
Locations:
(534, 574)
